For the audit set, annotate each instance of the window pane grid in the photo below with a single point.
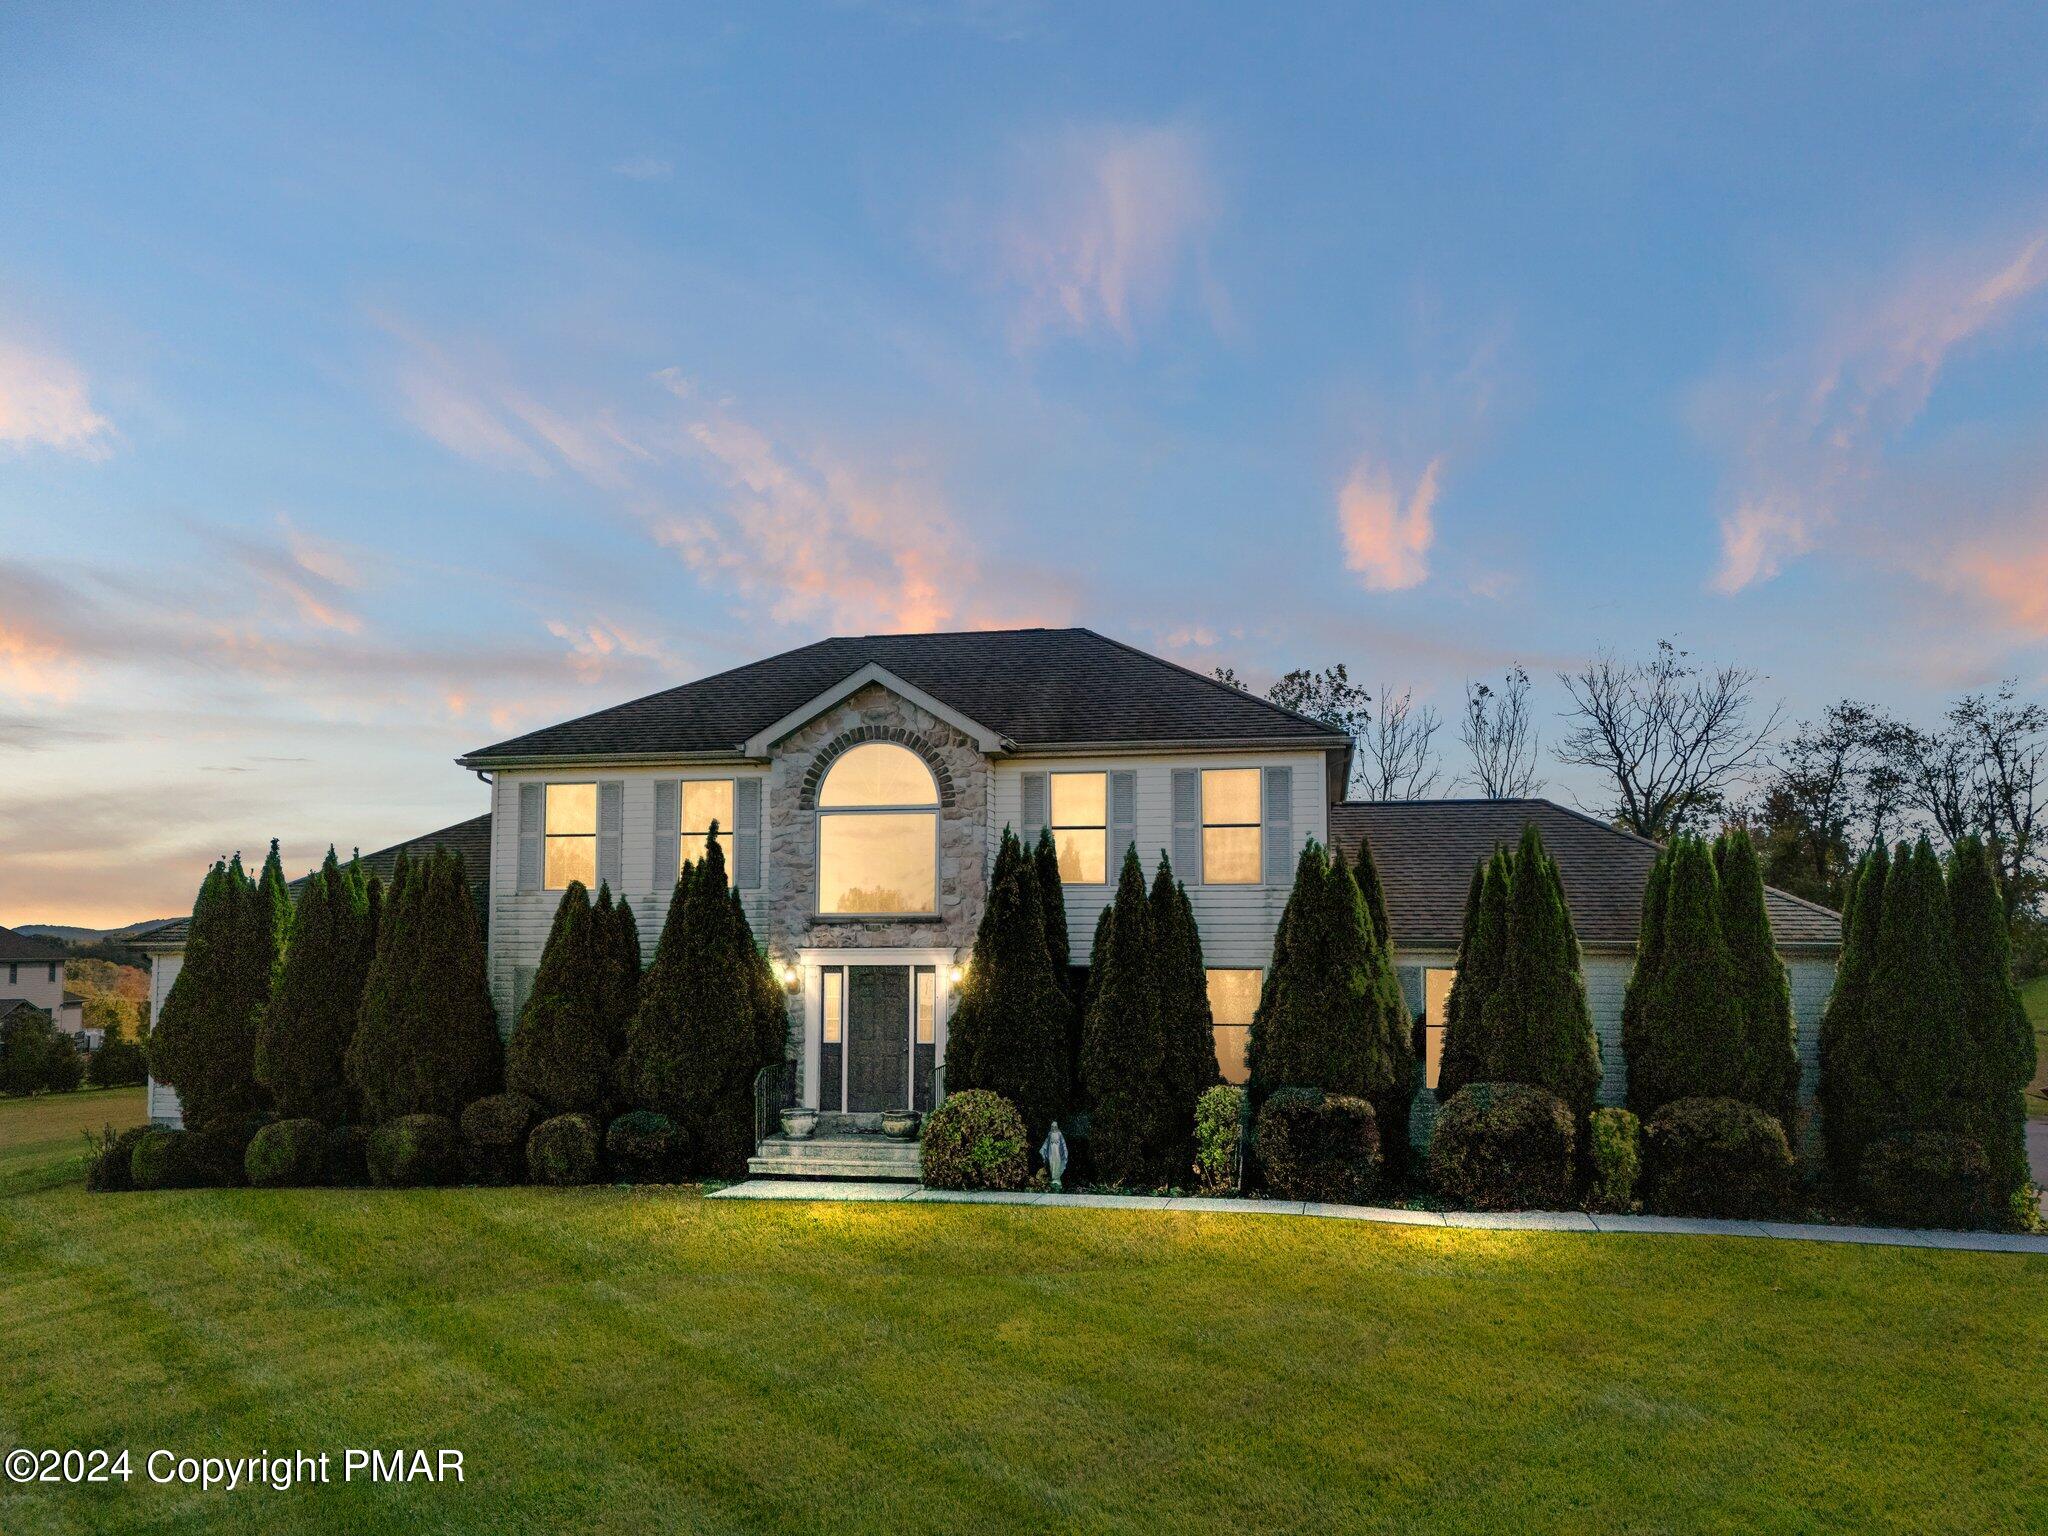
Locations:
(570, 853)
(834, 1000)
(1080, 827)
(1231, 851)
(927, 1007)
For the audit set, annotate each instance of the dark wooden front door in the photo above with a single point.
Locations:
(877, 1038)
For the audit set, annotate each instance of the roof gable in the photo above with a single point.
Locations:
(1032, 688)
(758, 744)
(25, 947)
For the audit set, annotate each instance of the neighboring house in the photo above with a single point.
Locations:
(164, 942)
(32, 972)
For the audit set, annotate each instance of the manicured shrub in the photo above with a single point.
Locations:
(1614, 1141)
(1482, 950)
(305, 1033)
(494, 1131)
(1504, 1147)
(560, 1053)
(347, 1155)
(119, 1062)
(1931, 1179)
(1994, 1017)
(414, 1151)
(426, 1039)
(564, 1150)
(1391, 1105)
(1683, 1036)
(113, 1164)
(204, 1041)
(1318, 1146)
(646, 1148)
(287, 1154)
(1848, 1092)
(1770, 1050)
(975, 1140)
(36, 1056)
(1008, 1033)
(711, 1015)
(1219, 1138)
(164, 1159)
(1139, 1133)
(1052, 899)
(618, 942)
(1715, 1157)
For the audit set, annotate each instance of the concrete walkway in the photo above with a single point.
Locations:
(1511, 1221)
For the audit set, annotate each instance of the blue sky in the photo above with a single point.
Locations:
(374, 384)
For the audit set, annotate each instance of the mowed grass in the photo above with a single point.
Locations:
(42, 1139)
(615, 1361)
(2035, 993)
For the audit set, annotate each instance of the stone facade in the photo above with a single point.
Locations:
(790, 864)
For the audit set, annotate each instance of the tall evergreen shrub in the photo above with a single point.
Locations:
(1188, 1027)
(1008, 1033)
(204, 1041)
(1482, 950)
(1918, 1040)
(1397, 1025)
(560, 1053)
(1052, 897)
(1642, 978)
(1993, 1016)
(1135, 1135)
(1687, 1040)
(303, 1040)
(1770, 1051)
(1536, 1026)
(1848, 1094)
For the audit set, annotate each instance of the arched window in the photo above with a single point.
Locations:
(878, 834)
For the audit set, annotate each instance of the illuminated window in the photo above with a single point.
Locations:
(835, 1004)
(571, 835)
(706, 801)
(1233, 999)
(878, 834)
(1436, 1002)
(927, 1007)
(1230, 826)
(1080, 827)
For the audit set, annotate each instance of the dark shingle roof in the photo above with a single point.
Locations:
(471, 839)
(1426, 850)
(27, 946)
(1037, 687)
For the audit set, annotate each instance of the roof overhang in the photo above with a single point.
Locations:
(759, 744)
(598, 760)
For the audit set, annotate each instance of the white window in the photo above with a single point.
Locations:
(927, 1006)
(1080, 827)
(1230, 826)
(571, 836)
(706, 801)
(1436, 1002)
(878, 834)
(1233, 999)
(834, 1004)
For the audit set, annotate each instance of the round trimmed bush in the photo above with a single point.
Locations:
(1318, 1146)
(1616, 1148)
(1504, 1147)
(1219, 1135)
(494, 1131)
(645, 1148)
(164, 1159)
(1715, 1157)
(290, 1154)
(564, 1150)
(347, 1159)
(1929, 1179)
(414, 1151)
(114, 1167)
(975, 1140)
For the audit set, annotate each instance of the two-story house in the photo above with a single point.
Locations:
(32, 976)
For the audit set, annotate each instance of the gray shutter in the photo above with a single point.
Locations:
(1278, 838)
(1187, 824)
(746, 834)
(531, 827)
(668, 833)
(1031, 811)
(1123, 818)
(611, 834)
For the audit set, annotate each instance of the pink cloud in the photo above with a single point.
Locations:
(44, 403)
(1387, 541)
(2012, 577)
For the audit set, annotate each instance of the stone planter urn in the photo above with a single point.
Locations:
(900, 1123)
(797, 1124)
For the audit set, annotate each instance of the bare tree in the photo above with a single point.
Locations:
(1499, 732)
(1671, 738)
(1396, 758)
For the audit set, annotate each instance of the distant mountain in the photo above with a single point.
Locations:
(69, 935)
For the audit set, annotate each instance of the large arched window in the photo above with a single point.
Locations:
(878, 834)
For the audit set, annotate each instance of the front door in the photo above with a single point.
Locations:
(877, 1038)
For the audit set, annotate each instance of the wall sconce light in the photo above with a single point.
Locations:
(956, 975)
(791, 977)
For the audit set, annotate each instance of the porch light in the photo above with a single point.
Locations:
(957, 974)
(790, 977)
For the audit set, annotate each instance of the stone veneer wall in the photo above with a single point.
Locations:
(790, 867)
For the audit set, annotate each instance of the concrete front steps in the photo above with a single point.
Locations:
(867, 1156)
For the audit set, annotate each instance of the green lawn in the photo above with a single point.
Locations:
(613, 1361)
(42, 1140)
(2036, 994)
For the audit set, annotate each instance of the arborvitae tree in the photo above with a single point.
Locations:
(426, 1039)
(1367, 875)
(1848, 1094)
(770, 1005)
(204, 1042)
(1188, 1027)
(1052, 897)
(654, 1062)
(560, 1053)
(1135, 1133)
(1642, 979)
(1538, 1028)
(622, 977)
(305, 1033)
(1993, 1014)
(1923, 1053)
(1687, 1043)
(273, 910)
(1770, 1049)
(1397, 1025)
(1482, 953)
(1008, 1032)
